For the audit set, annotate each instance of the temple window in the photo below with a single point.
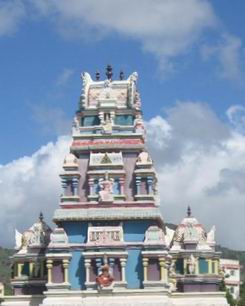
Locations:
(179, 266)
(90, 121)
(116, 186)
(25, 271)
(124, 120)
(153, 270)
(57, 272)
(203, 266)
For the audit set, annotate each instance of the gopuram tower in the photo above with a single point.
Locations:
(110, 245)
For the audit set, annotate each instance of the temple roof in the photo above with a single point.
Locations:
(191, 231)
(107, 214)
(37, 236)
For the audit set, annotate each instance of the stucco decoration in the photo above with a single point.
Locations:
(104, 159)
(37, 236)
(154, 235)
(211, 235)
(191, 264)
(169, 236)
(106, 192)
(58, 237)
(105, 235)
(104, 279)
(144, 159)
(70, 161)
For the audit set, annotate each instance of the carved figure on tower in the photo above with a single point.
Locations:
(106, 192)
(104, 279)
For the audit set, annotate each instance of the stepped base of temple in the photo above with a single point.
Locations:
(119, 298)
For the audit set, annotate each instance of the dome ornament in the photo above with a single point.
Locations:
(188, 211)
(109, 72)
(121, 75)
(97, 75)
(41, 217)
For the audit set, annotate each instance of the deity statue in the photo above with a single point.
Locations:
(191, 265)
(211, 235)
(104, 279)
(106, 192)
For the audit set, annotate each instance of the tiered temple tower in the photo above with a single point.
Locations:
(109, 209)
(110, 245)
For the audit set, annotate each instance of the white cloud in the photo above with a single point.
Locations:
(29, 185)
(200, 162)
(228, 53)
(166, 28)
(236, 115)
(12, 12)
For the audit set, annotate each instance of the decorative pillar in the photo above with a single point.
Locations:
(49, 265)
(138, 183)
(121, 182)
(91, 185)
(216, 266)
(66, 266)
(112, 117)
(111, 264)
(185, 265)
(197, 266)
(98, 264)
(87, 267)
(31, 266)
(101, 116)
(123, 266)
(64, 185)
(75, 185)
(162, 269)
(145, 266)
(210, 266)
(149, 184)
(19, 268)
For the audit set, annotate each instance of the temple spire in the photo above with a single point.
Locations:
(188, 211)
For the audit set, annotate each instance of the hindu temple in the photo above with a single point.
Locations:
(109, 244)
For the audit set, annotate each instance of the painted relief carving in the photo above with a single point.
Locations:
(104, 279)
(154, 234)
(106, 189)
(191, 265)
(105, 234)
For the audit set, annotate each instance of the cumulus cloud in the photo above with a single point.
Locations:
(171, 28)
(200, 162)
(236, 115)
(228, 53)
(29, 185)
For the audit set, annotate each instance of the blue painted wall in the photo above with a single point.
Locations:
(135, 230)
(77, 271)
(76, 231)
(134, 269)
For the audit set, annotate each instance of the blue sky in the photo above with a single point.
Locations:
(190, 58)
(34, 55)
